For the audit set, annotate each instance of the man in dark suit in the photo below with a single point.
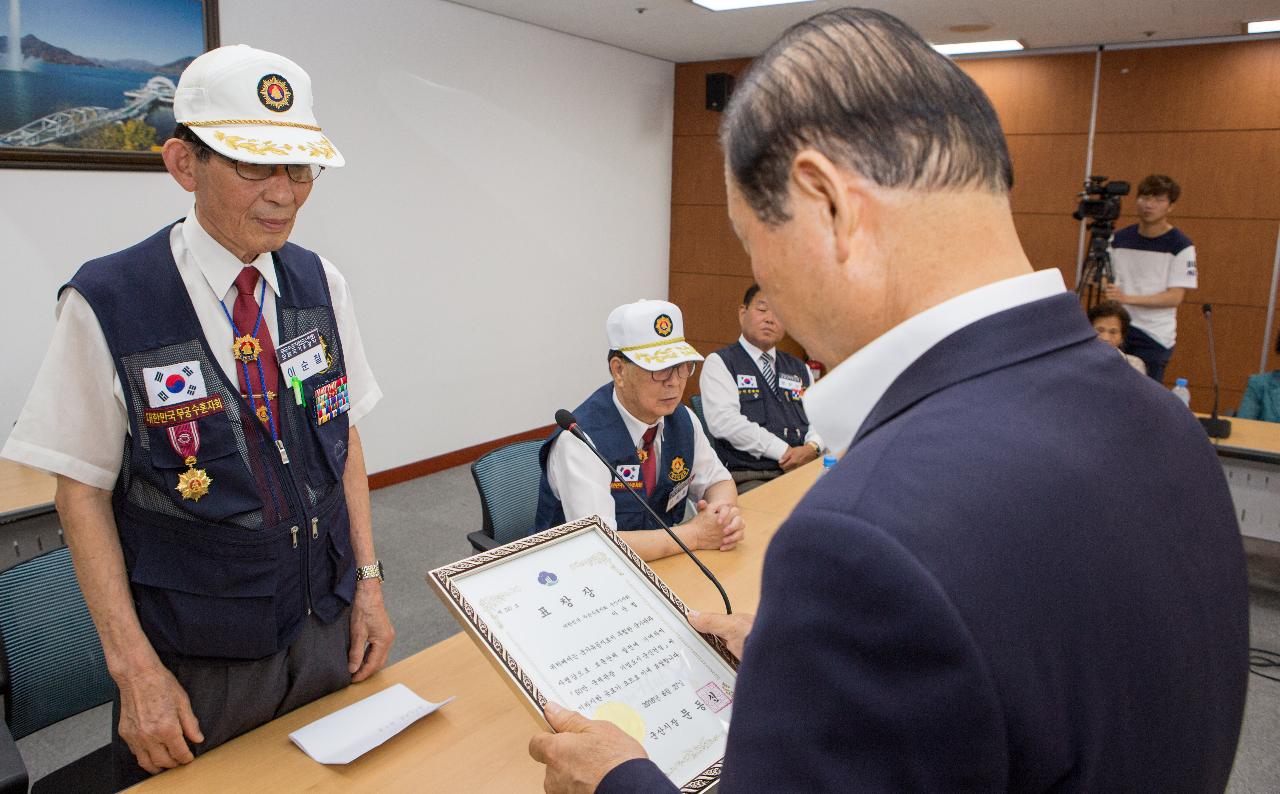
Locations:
(969, 601)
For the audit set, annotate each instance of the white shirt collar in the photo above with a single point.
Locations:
(838, 404)
(754, 351)
(634, 426)
(219, 266)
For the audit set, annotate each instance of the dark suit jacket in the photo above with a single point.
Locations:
(1025, 575)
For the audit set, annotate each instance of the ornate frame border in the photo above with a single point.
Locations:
(442, 578)
(102, 159)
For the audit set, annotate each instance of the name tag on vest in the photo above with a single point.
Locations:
(678, 495)
(303, 356)
(789, 383)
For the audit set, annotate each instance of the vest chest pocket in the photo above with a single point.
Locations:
(327, 405)
(231, 487)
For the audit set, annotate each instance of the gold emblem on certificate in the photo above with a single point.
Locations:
(185, 440)
(246, 349)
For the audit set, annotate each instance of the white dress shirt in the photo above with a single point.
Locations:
(75, 422)
(722, 407)
(838, 404)
(581, 482)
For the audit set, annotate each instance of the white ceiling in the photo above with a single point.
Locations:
(679, 31)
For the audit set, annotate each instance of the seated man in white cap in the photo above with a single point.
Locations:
(656, 446)
(197, 405)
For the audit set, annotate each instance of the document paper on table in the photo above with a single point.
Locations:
(349, 733)
(595, 637)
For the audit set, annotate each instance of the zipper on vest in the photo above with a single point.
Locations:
(284, 456)
(287, 476)
(294, 532)
(315, 523)
(315, 534)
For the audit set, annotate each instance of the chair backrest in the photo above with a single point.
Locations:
(695, 402)
(507, 479)
(49, 650)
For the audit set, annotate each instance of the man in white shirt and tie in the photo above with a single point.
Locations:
(751, 394)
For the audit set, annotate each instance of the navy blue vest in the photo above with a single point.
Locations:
(599, 418)
(779, 411)
(234, 574)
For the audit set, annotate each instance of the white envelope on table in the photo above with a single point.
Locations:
(349, 733)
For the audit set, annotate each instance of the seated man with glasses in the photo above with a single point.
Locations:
(655, 445)
(198, 406)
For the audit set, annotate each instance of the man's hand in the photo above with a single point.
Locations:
(1113, 292)
(718, 526)
(797, 456)
(371, 631)
(581, 751)
(155, 716)
(733, 629)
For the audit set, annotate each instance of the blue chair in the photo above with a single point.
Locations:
(695, 402)
(51, 667)
(507, 479)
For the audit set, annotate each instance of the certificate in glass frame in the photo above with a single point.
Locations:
(573, 615)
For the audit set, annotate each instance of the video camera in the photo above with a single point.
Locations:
(1100, 200)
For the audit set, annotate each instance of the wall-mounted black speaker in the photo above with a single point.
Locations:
(719, 89)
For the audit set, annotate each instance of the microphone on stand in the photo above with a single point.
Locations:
(568, 424)
(1213, 425)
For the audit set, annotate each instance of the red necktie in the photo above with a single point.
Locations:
(245, 316)
(649, 466)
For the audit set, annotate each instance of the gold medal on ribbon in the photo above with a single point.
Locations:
(185, 440)
(246, 349)
(193, 483)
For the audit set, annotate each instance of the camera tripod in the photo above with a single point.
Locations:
(1096, 272)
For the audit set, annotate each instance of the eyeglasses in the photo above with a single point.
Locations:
(301, 173)
(684, 370)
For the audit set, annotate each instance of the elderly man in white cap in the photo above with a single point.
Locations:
(197, 405)
(654, 445)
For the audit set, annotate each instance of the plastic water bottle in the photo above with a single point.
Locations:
(1181, 392)
(828, 463)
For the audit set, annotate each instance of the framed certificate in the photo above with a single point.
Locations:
(573, 615)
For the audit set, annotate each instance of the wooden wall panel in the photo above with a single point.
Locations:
(691, 114)
(710, 304)
(1230, 174)
(1050, 241)
(1233, 259)
(1048, 172)
(703, 241)
(1238, 330)
(697, 171)
(1208, 87)
(1016, 88)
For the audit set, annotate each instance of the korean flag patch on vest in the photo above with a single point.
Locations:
(176, 383)
(629, 472)
(747, 382)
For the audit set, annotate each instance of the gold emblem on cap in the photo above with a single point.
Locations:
(678, 470)
(193, 483)
(246, 349)
(663, 325)
(275, 93)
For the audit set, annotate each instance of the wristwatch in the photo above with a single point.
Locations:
(815, 446)
(371, 572)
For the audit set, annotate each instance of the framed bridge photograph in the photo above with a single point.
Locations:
(89, 84)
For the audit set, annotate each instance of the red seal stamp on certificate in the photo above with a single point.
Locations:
(714, 697)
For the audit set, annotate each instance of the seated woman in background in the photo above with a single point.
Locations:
(1111, 321)
(1262, 396)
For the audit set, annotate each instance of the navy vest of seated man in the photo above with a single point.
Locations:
(966, 602)
(654, 444)
(751, 397)
(198, 404)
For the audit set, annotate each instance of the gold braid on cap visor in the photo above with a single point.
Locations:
(251, 122)
(674, 349)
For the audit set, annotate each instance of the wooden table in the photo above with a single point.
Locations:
(1251, 440)
(1250, 459)
(477, 743)
(24, 491)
